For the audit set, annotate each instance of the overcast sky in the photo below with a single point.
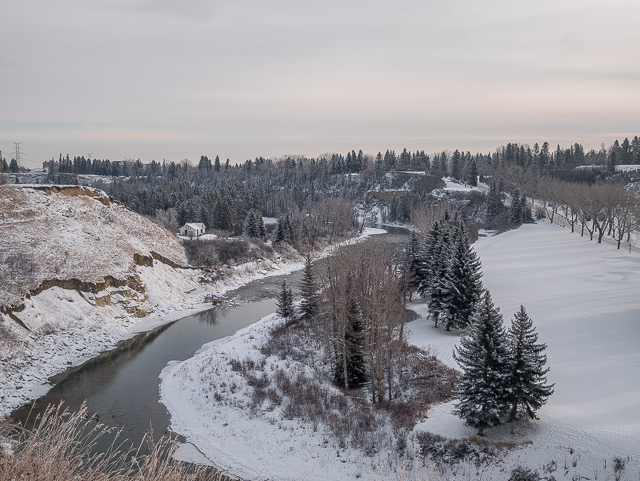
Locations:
(179, 79)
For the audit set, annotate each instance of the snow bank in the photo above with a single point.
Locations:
(453, 185)
(210, 404)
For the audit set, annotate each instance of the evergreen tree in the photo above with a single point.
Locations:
(278, 233)
(308, 291)
(472, 173)
(216, 164)
(284, 303)
(612, 161)
(222, 212)
(261, 228)
(350, 368)
(437, 265)
(528, 390)
(494, 201)
(455, 165)
(424, 262)
(463, 286)
(250, 226)
(482, 392)
(205, 163)
(283, 230)
(635, 147)
(517, 206)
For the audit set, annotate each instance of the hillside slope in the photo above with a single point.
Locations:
(70, 232)
(77, 271)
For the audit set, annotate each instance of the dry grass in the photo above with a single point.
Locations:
(60, 445)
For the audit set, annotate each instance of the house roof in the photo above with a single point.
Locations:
(195, 225)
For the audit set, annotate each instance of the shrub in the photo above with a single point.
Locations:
(230, 251)
(523, 474)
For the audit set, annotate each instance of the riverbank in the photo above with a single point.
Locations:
(84, 330)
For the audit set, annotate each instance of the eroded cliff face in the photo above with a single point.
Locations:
(73, 239)
(59, 233)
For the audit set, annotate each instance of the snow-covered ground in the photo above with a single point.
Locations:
(584, 299)
(453, 185)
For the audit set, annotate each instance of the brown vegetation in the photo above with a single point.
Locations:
(59, 447)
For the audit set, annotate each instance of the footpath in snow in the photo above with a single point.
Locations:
(584, 299)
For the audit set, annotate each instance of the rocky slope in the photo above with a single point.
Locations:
(77, 271)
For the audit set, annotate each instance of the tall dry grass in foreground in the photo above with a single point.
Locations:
(59, 447)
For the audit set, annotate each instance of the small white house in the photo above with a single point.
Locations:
(193, 229)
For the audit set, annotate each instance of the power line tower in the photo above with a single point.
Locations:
(17, 153)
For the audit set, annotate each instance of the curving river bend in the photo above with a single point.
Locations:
(121, 386)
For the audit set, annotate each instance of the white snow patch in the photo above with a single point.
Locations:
(455, 185)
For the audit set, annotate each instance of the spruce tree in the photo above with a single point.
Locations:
(494, 201)
(250, 229)
(517, 205)
(472, 173)
(528, 390)
(463, 287)
(254, 225)
(284, 302)
(279, 233)
(425, 259)
(438, 267)
(349, 361)
(308, 291)
(261, 229)
(482, 393)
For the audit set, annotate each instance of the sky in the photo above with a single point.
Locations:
(154, 79)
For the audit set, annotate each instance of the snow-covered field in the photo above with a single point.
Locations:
(584, 299)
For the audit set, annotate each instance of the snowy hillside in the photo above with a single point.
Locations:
(51, 232)
(79, 273)
(584, 299)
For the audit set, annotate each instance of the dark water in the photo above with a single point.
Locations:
(121, 386)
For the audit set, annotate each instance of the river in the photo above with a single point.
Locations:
(121, 386)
